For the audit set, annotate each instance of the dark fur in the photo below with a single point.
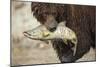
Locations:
(81, 19)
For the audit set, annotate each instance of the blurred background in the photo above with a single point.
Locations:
(26, 51)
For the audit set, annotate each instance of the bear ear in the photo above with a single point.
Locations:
(35, 6)
(63, 23)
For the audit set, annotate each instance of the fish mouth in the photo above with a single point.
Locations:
(28, 35)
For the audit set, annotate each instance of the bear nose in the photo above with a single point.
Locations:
(52, 29)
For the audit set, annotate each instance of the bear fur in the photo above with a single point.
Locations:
(80, 18)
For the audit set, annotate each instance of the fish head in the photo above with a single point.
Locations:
(37, 33)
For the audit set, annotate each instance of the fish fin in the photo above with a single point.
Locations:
(63, 23)
(74, 41)
(46, 41)
(74, 49)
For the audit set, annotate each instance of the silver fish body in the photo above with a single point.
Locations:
(62, 32)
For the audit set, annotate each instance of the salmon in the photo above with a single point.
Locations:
(61, 32)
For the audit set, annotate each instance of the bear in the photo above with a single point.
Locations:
(80, 18)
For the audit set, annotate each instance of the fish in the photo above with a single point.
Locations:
(61, 32)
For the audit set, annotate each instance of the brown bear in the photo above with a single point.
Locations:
(80, 18)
